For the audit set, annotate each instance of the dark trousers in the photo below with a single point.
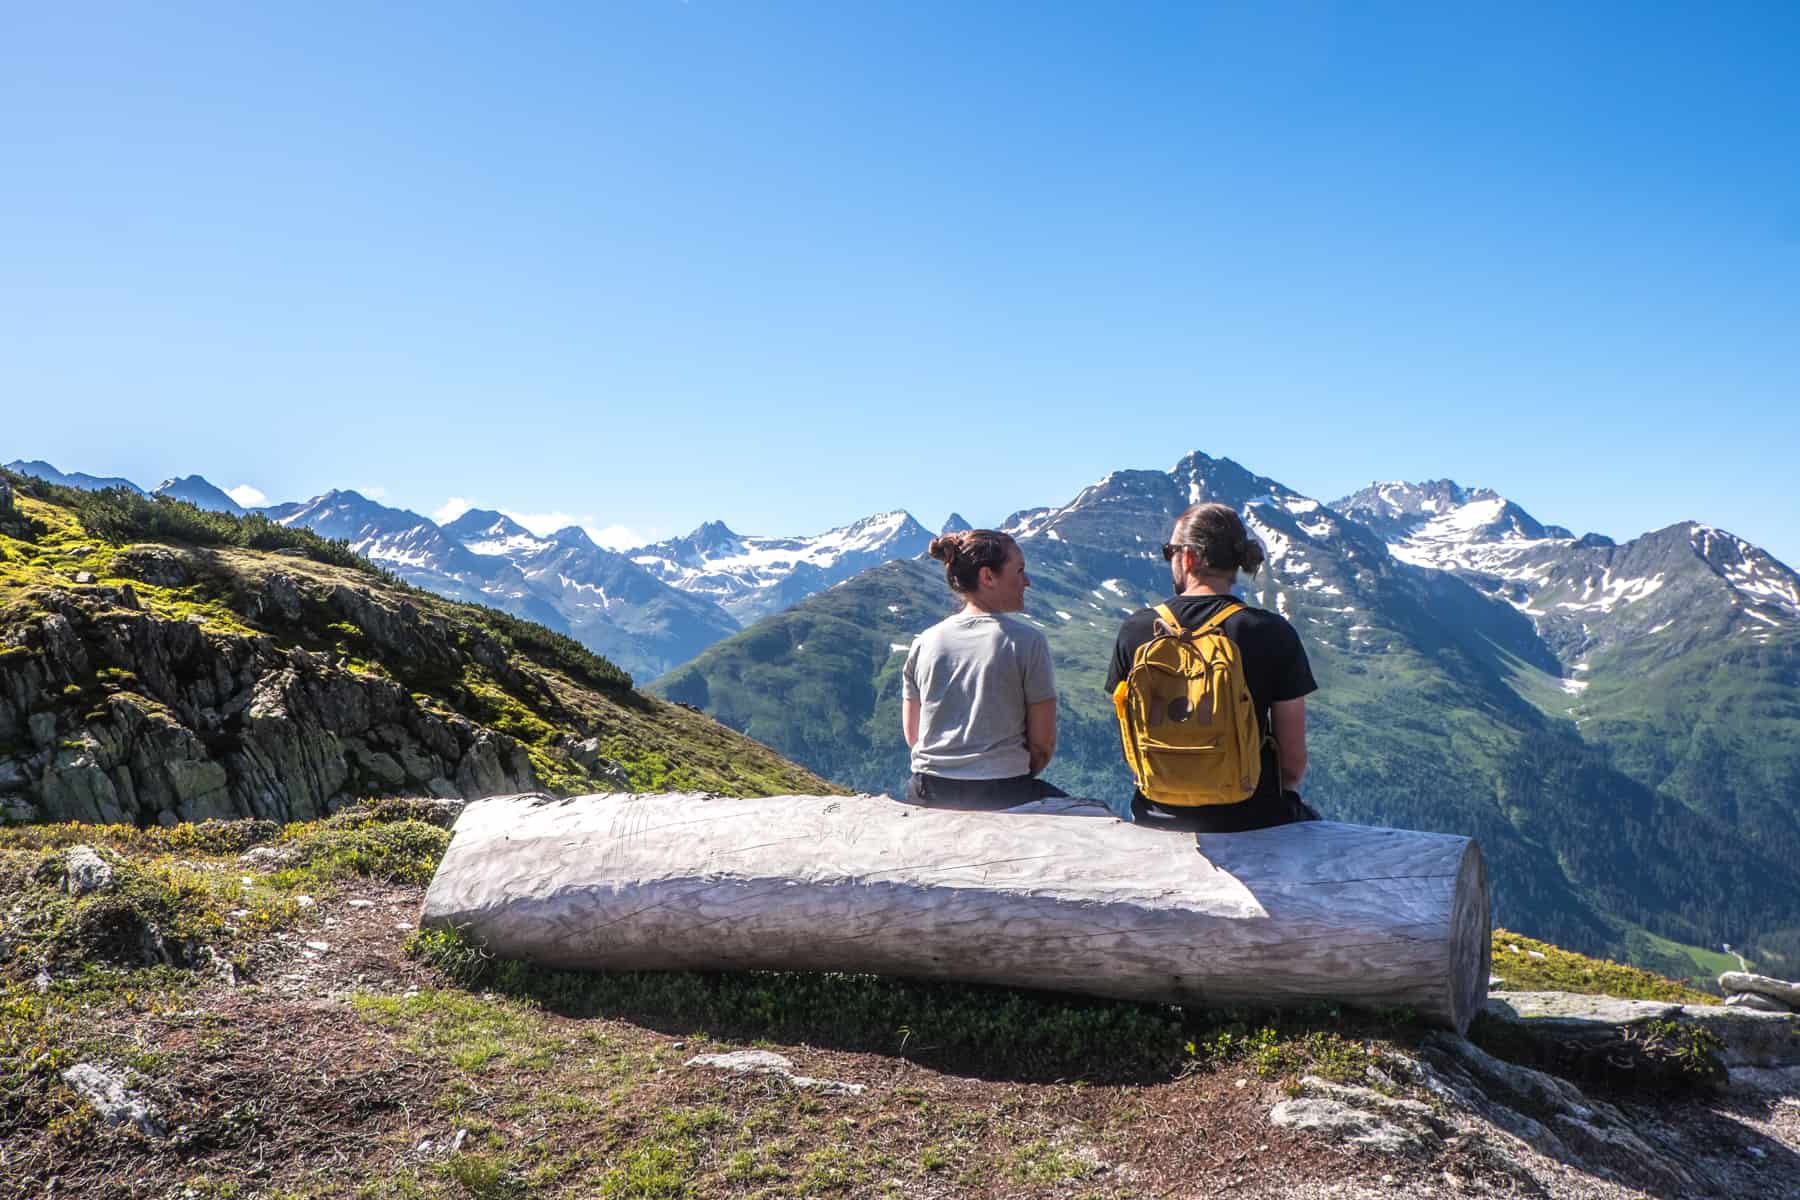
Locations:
(978, 795)
(1258, 812)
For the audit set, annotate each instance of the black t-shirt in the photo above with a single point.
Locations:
(1275, 664)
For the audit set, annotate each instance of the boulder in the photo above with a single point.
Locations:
(1339, 1122)
(1757, 1001)
(84, 872)
(607, 772)
(1788, 994)
(116, 1103)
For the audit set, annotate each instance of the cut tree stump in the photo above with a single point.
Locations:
(1318, 911)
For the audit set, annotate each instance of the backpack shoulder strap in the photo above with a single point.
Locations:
(1219, 618)
(1166, 616)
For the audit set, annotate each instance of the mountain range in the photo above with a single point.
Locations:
(648, 610)
(1617, 723)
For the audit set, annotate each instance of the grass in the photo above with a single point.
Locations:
(1528, 965)
(963, 1027)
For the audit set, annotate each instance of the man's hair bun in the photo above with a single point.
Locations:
(1219, 534)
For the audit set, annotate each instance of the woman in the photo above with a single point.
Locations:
(1205, 552)
(978, 691)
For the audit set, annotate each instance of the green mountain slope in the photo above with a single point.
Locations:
(162, 664)
(1440, 708)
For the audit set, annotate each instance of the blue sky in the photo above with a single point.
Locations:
(650, 263)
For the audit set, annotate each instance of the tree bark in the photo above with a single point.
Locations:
(1318, 911)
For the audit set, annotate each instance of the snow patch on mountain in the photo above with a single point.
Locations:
(751, 575)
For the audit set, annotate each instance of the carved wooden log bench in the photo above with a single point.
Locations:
(1033, 897)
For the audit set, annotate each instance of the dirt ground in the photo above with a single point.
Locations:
(338, 1066)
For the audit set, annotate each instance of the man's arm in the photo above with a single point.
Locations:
(1040, 733)
(909, 720)
(1290, 741)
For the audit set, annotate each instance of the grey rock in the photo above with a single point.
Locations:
(767, 1062)
(84, 577)
(1396, 1107)
(607, 772)
(85, 872)
(280, 596)
(1567, 1125)
(6, 499)
(1750, 1037)
(43, 728)
(13, 775)
(229, 726)
(269, 858)
(109, 1096)
(80, 793)
(1788, 994)
(1757, 1001)
(379, 766)
(152, 565)
(1339, 1122)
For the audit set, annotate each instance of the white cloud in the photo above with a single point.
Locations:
(543, 524)
(247, 496)
(619, 537)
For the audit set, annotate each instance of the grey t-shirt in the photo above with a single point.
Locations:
(974, 674)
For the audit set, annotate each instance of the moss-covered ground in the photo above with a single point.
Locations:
(1528, 965)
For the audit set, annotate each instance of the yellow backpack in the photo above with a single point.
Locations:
(1186, 717)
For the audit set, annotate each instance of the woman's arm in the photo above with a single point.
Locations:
(1040, 733)
(909, 720)
(1290, 741)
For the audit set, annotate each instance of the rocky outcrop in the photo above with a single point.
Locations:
(109, 714)
(1581, 1035)
(1759, 991)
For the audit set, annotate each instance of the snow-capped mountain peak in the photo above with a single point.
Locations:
(1763, 582)
(750, 575)
(1442, 524)
(484, 531)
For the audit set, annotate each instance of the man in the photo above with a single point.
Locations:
(1206, 550)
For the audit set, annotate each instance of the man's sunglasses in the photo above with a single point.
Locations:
(1169, 549)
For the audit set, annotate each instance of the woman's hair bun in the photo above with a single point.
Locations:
(945, 548)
